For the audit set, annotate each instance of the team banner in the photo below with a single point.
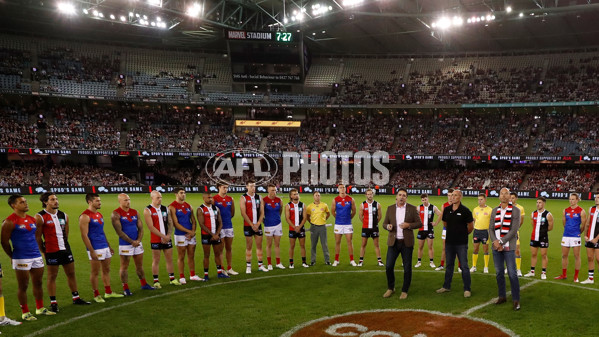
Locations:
(239, 153)
(355, 190)
(269, 124)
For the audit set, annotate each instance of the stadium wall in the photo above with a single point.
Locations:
(387, 190)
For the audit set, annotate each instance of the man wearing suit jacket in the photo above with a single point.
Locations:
(400, 220)
(503, 229)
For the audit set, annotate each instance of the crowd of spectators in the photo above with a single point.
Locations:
(21, 174)
(429, 134)
(71, 175)
(554, 179)
(75, 128)
(493, 179)
(496, 134)
(573, 80)
(423, 178)
(358, 132)
(15, 128)
(13, 61)
(65, 64)
(171, 130)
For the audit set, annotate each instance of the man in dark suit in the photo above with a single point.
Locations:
(400, 220)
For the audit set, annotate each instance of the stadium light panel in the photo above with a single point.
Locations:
(100, 14)
(85, 11)
(123, 18)
(112, 17)
(66, 8)
(194, 10)
(158, 19)
(521, 14)
(351, 3)
(95, 13)
(157, 3)
(508, 9)
(153, 24)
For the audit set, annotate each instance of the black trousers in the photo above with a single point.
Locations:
(406, 254)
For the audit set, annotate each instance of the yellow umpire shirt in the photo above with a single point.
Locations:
(317, 214)
(482, 217)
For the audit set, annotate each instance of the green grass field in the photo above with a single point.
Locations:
(269, 304)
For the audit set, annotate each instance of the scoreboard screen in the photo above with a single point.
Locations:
(266, 56)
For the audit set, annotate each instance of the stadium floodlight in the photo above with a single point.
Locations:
(66, 8)
(521, 14)
(458, 21)
(508, 9)
(444, 23)
(153, 24)
(157, 3)
(158, 19)
(123, 18)
(100, 14)
(194, 10)
(131, 14)
(95, 13)
(285, 20)
(85, 11)
(351, 3)
(318, 9)
(112, 17)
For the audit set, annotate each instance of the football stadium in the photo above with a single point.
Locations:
(299, 167)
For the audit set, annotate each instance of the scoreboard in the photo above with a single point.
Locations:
(267, 56)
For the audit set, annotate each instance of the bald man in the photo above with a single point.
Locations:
(129, 228)
(459, 222)
(161, 227)
(503, 233)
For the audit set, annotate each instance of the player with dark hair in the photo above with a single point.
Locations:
(250, 206)
(370, 214)
(226, 206)
(91, 224)
(211, 225)
(19, 229)
(181, 214)
(271, 209)
(52, 238)
(426, 232)
(296, 217)
(129, 227)
(542, 223)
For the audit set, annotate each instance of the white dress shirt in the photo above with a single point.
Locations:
(400, 216)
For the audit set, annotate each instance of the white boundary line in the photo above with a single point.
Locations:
(480, 306)
(202, 285)
(303, 325)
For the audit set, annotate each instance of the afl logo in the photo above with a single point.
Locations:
(398, 323)
(229, 167)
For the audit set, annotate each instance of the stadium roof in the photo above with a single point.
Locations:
(329, 26)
